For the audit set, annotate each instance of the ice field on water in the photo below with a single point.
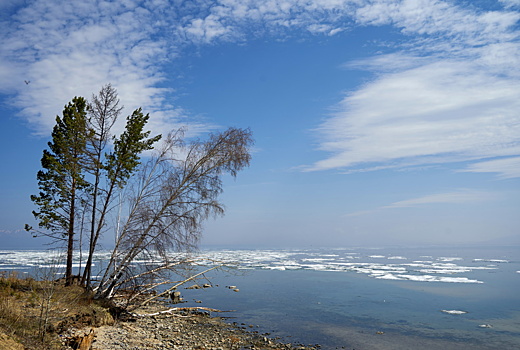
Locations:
(362, 298)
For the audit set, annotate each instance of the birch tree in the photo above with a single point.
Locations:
(117, 166)
(103, 111)
(172, 196)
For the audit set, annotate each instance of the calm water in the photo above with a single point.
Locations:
(391, 298)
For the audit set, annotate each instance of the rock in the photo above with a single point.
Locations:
(192, 331)
(175, 296)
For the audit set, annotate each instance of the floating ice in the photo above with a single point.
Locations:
(448, 259)
(388, 276)
(429, 278)
(454, 312)
(376, 264)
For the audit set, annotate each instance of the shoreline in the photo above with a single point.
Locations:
(152, 327)
(46, 315)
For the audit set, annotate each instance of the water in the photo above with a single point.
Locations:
(392, 298)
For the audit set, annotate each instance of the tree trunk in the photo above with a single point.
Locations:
(88, 266)
(70, 238)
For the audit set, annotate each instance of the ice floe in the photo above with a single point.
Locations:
(492, 260)
(384, 265)
(454, 312)
(439, 269)
(448, 259)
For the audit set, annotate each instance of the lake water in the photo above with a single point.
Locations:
(359, 298)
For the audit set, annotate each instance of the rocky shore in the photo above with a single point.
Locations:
(180, 328)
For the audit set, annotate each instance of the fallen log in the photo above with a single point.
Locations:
(176, 309)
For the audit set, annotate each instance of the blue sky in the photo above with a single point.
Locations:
(376, 122)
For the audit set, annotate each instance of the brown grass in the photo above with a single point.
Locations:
(34, 313)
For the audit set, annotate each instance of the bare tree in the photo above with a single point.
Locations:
(174, 193)
(103, 111)
(115, 167)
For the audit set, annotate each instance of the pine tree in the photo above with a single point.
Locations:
(61, 181)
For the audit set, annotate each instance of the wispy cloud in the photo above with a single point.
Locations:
(461, 196)
(65, 48)
(445, 111)
(506, 168)
(69, 48)
(511, 3)
(450, 97)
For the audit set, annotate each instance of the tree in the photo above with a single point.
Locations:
(75, 165)
(170, 195)
(119, 166)
(103, 112)
(62, 178)
(174, 193)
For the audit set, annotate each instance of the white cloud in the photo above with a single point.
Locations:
(233, 19)
(68, 49)
(451, 97)
(457, 197)
(511, 3)
(423, 107)
(506, 168)
(437, 17)
(461, 196)
(443, 111)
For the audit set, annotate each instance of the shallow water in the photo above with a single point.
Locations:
(355, 309)
(389, 298)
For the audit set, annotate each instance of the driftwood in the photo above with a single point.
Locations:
(167, 291)
(83, 342)
(175, 309)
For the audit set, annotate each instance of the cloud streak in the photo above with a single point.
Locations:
(450, 97)
(462, 196)
(445, 111)
(506, 168)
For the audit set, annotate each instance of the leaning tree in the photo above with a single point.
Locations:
(173, 193)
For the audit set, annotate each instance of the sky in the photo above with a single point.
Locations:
(376, 122)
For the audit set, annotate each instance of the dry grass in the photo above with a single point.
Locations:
(34, 313)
